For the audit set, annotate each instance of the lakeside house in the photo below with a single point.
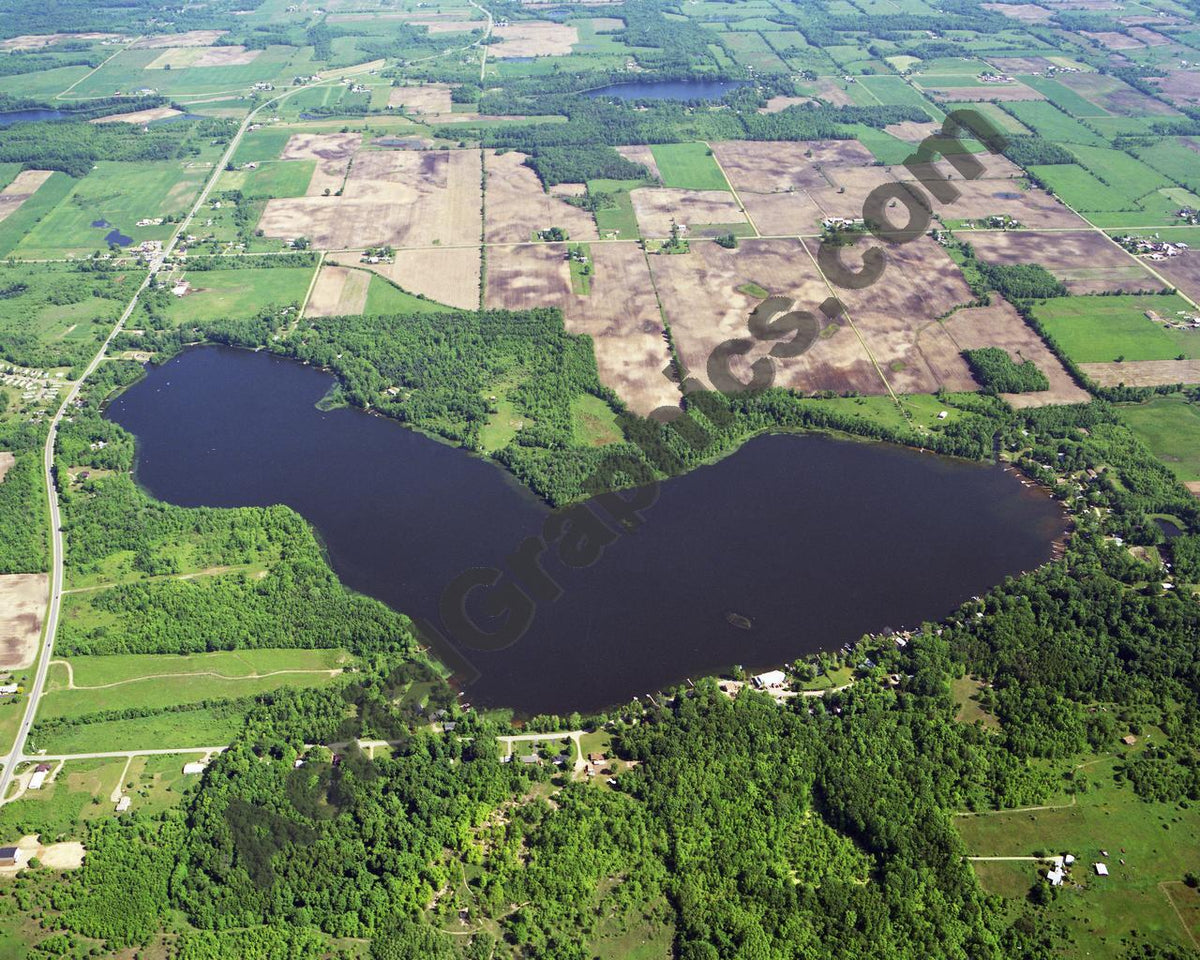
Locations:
(770, 680)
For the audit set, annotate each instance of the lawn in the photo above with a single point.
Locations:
(1170, 427)
(120, 194)
(217, 294)
(1158, 843)
(1103, 329)
(688, 166)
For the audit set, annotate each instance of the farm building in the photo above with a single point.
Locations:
(772, 678)
(41, 771)
(9, 856)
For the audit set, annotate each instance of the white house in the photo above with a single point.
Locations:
(194, 767)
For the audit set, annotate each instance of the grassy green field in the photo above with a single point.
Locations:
(594, 422)
(216, 294)
(120, 193)
(187, 728)
(688, 166)
(1173, 158)
(1079, 188)
(281, 178)
(621, 217)
(49, 195)
(1050, 122)
(1101, 329)
(384, 297)
(1170, 427)
(1158, 842)
(265, 143)
(157, 681)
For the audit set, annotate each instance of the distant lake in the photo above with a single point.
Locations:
(794, 544)
(26, 116)
(667, 89)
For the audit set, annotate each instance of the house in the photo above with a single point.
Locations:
(531, 758)
(1101, 869)
(123, 804)
(193, 767)
(40, 773)
(596, 758)
(1056, 876)
(772, 678)
(9, 856)
(7, 689)
(1129, 740)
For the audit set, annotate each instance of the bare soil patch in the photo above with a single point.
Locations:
(1180, 86)
(62, 856)
(22, 607)
(181, 58)
(920, 284)
(1025, 12)
(191, 38)
(453, 26)
(1085, 261)
(21, 189)
(569, 190)
(6, 463)
(775, 104)
(1143, 373)
(1149, 37)
(426, 98)
(1113, 40)
(639, 153)
(1032, 207)
(140, 117)
(620, 314)
(703, 303)
(1183, 272)
(397, 197)
(534, 38)
(1006, 92)
(42, 40)
(658, 208)
(999, 325)
(449, 276)
(339, 291)
(912, 131)
(333, 153)
(1111, 94)
(834, 92)
(517, 206)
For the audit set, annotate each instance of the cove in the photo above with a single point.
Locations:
(794, 544)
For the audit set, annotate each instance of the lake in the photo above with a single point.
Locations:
(27, 116)
(667, 89)
(806, 540)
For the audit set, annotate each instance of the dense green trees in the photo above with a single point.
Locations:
(996, 371)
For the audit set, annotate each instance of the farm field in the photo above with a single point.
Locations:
(1170, 427)
(1145, 846)
(216, 294)
(84, 685)
(119, 194)
(1103, 329)
(688, 166)
(202, 727)
(447, 276)
(1084, 261)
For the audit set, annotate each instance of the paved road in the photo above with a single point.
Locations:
(17, 755)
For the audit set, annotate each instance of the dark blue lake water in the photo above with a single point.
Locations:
(667, 89)
(813, 541)
(26, 116)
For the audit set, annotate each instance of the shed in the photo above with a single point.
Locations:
(38, 778)
(1101, 869)
(123, 804)
(1129, 740)
(194, 767)
(9, 856)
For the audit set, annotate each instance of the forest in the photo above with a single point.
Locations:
(998, 372)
